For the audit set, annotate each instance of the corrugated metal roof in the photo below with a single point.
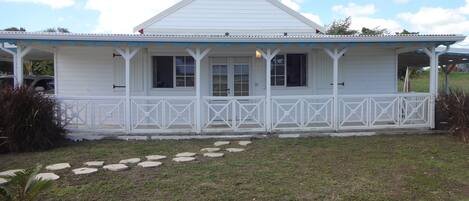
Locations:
(247, 38)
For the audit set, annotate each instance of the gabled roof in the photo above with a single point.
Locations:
(183, 3)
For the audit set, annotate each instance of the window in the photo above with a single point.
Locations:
(163, 72)
(173, 71)
(185, 68)
(289, 70)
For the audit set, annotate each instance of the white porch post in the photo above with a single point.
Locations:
(335, 55)
(434, 63)
(268, 56)
(127, 54)
(20, 53)
(198, 55)
(17, 62)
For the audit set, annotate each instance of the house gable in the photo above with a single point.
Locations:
(229, 16)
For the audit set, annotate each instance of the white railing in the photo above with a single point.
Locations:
(163, 114)
(92, 113)
(234, 113)
(246, 114)
(302, 112)
(384, 111)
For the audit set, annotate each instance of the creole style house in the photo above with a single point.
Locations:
(231, 66)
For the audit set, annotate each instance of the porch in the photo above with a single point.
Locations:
(228, 98)
(233, 83)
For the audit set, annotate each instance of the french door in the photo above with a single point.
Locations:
(230, 76)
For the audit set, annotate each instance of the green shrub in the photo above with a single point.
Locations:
(24, 186)
(28, 120)
(455, 107)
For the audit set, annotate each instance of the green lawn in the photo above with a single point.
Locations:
(427, 167)
(456, 80)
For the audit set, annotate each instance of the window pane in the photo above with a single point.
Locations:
(278, 71)
(180, 70)
(163, 74)
(179, 61)
(180, 82)
(296, 70)
(190, 82)
(190, 61)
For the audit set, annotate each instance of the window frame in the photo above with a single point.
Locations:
(285, 85)
(174, 72)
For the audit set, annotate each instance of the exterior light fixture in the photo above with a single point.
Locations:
(258, 54)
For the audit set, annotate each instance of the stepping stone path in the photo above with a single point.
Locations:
(221, 143)
(81, 171)
(116, 167)
(234, 150)
(58, 166)
(149, 164)
(3, 181)
(185, 154)
(130, 161)
(210, 149)
(155, 157)
(10, 173)
(94, 164)
(47, 176)
(244, 143)
(214, 155)
(183, 159)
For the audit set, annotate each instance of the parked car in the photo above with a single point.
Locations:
(43, 83)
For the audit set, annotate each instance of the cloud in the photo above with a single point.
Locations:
(401, 1)
(361, 17)
(296, 5)
(353, 9)
(55, 4)
(121, 16)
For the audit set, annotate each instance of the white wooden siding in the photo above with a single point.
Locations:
(234, 16)
(91, 71)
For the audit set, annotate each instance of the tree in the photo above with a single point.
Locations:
(407, 32)
(341, 27)
(15, 29)
(57, 30)
(375, 31)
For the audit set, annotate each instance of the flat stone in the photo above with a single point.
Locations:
(214, 155)
(244, 143)
(94, 163)
(210, 149)
(10, 173)
(47, 176)
(221, 143)
(58, 166)
(130, 161)
(116, 167)
(81, 171)
(3, 181)
(150, 164)
(185, 154)
(234, 150)
(155, 157)
(183, 159)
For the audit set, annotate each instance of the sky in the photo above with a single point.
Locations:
(120, 16)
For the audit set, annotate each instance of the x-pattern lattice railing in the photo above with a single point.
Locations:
(293, 112)
(234, 113)
(384, 111)
(92, 113)
(163, 113)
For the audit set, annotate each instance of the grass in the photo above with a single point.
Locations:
(456, 80)
(368, 168)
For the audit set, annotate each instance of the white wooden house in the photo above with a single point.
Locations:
(216, 66)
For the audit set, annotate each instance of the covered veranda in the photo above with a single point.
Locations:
(267, 113)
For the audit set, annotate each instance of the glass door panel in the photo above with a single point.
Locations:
(220, 80)
(241, 79)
